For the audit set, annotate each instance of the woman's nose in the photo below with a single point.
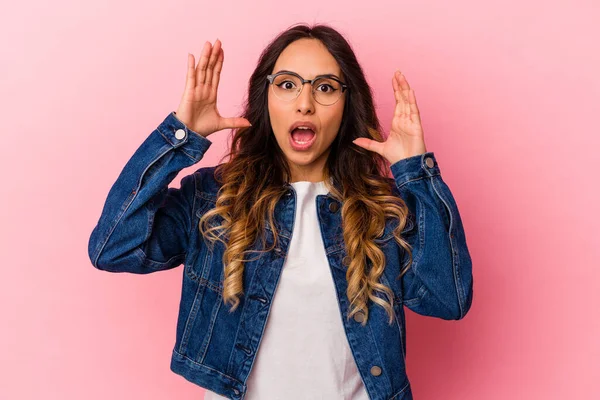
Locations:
(305, 100)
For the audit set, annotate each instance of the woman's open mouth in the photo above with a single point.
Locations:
(302, 139)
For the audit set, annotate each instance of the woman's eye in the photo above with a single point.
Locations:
(285, 85)
(329, 86)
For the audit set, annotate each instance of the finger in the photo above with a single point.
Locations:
(401, 100)
(399, 110)
(217, 72)
(190, 78)
(402, 82)
(414, 109)
(397, 93)
(202, 63)
(371, 145)
(234, 122)
(214, 55)
(404, 89)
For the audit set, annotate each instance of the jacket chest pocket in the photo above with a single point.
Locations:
(392, 224)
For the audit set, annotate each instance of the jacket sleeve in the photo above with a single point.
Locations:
(439, 282)
(145, 226)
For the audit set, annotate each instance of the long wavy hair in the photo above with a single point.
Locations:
(254, 179)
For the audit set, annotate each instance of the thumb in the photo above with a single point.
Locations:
(236, 122)
(371, 145)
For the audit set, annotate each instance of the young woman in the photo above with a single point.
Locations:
(301, 227)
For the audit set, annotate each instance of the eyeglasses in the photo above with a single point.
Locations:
(288, 85)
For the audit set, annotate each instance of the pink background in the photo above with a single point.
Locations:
(508, 92)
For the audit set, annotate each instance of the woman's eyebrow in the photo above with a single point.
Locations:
(321, 75)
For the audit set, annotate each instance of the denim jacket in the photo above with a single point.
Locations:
(146, 227)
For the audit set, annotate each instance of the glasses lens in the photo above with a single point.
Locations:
(286, 87)
(326, 91)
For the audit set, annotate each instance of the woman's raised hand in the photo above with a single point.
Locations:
(406, 138)
(198, 106)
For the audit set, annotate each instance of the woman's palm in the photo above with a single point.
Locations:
(406, 136)
(198, 106)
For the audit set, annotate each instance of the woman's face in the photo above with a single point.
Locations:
(308, 58)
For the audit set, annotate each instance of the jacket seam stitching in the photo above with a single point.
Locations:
(455, 271)
(261, 262)
(211, 327)
(401, 391)
(192, 315)
(207, 367)
(379, 357)
(193, 213)
(420, 224)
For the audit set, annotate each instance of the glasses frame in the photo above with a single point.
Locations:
(271, 79)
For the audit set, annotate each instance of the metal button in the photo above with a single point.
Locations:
(429, 162)
(375, 370)
(359, 317)
(346, 261)
(333, 206)
(237, 392)
(180, 134)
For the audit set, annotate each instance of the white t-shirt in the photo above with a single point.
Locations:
(304, 353)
